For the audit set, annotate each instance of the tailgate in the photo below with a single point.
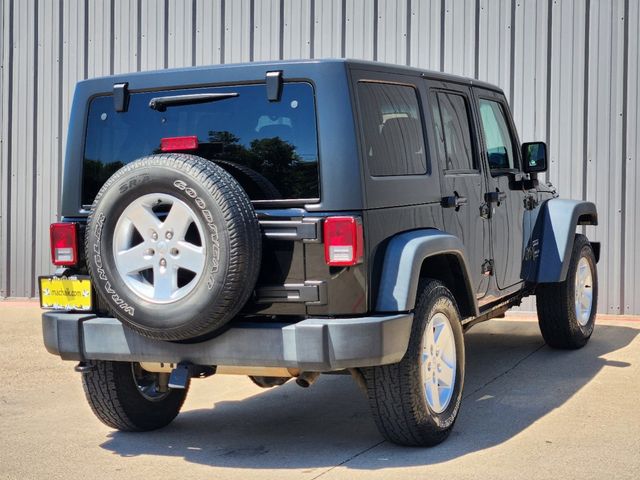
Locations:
(294, 278)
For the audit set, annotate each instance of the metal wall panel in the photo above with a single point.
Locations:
(459, 36)
(570, 70)
(266, 28)
(567, 107)
(47, 131)
(296, 29)
(494, 43)
(238, 31)
(74, 65)
(631, 263)
(153, 27)
(181, 33)
(604, 142)
(360, 29)
(392, 31)
(126, 35)
(21, 241)
(209, 31)
(425, 34)
(5, 150)
(100, 56)
(328, 29)
(529, 78)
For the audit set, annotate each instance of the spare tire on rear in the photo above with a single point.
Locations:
(173, 246)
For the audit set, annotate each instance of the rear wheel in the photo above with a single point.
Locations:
(416, 401)
(126, 397)
(567, 310)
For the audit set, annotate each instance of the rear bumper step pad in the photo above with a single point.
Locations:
(314, 344)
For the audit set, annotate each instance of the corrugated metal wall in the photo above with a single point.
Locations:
(569, 69)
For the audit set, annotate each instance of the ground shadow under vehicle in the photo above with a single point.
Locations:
(330, 423)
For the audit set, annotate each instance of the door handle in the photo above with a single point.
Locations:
(495, 197)
(453, 201)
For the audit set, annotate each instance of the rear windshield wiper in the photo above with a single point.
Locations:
(161, 103)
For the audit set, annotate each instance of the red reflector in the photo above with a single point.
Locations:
(343, 241)
(174, 144)
(64, 243)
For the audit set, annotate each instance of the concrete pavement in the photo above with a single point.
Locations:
(528, 412)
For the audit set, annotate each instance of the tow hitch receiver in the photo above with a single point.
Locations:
(184, 371)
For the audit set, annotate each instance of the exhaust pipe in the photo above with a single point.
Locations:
(306, 379)
(359, 378)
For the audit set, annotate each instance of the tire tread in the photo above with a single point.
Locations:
(396, 404)
(556, 309)
(111, 401)
(241, 228)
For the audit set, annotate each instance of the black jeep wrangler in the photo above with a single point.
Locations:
(282, 220)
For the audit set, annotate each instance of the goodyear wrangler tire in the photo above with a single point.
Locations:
(567, 310)
(125, 397)
(416, 401)
(173, 246)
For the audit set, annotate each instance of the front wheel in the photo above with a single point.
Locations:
(126, 397)
(416, 401)
(567, 310)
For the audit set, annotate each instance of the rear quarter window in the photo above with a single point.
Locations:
(451, 120)
(392, 127)
(271, 148)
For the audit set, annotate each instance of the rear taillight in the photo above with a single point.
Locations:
(64, 243)
(343, 241)
(177, 144)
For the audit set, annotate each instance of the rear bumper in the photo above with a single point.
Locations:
(314, 345)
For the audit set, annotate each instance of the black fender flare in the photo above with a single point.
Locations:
(404, 257)
(548, 252)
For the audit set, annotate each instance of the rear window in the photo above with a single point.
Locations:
(271, 148)
(394, 142)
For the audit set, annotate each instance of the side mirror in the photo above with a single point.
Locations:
(534, 157)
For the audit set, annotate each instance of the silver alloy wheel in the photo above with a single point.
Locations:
(583, 291)
(147, 383)
(438, 362)
(151, 253)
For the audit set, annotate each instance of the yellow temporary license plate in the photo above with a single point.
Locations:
(72, 293)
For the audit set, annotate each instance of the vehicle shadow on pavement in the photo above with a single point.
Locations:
(512, 381)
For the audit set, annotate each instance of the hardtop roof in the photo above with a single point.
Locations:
(315, 64)
(433, 74)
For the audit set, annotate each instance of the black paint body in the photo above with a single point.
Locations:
(293, 259)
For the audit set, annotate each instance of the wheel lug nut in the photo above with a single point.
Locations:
(154, 235)
(163, 262)
(174, 251)
(149, 252)
(169, 235)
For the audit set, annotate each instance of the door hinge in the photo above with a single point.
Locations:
(121, 97)
(530, 202)
(532, 252)
(487, 267)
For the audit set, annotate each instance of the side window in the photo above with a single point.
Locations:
(393, 133)
(453, 131)
(496, 136)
